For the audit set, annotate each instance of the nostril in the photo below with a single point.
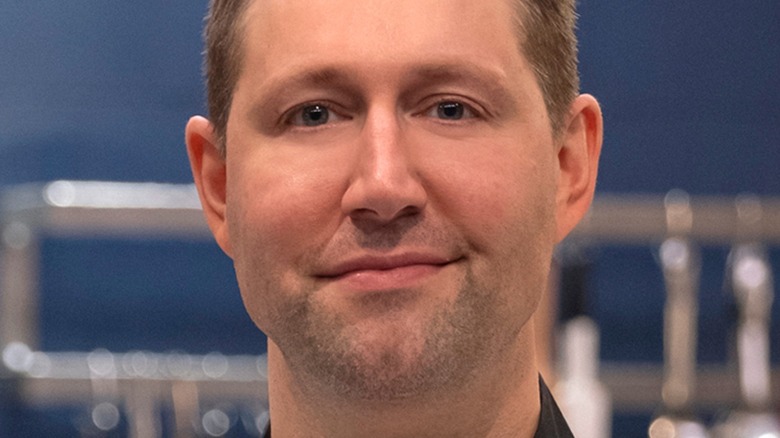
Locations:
(409, 210)
(375, 200)
(384, 215)
(373, 232)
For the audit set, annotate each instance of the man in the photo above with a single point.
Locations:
(389, 178)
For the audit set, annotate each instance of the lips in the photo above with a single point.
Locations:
(383, 263)
(370, 273)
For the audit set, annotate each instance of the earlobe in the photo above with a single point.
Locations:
(210, 175)
(578, 157)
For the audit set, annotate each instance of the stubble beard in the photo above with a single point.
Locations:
(407, 358)
(409, 351)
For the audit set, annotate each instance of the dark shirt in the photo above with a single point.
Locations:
(551, 421)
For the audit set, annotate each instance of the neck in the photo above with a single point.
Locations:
(501, 399)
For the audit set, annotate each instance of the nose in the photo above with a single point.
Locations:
(384, 184)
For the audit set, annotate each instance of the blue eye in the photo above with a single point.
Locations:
(314, 115)
(450, 110)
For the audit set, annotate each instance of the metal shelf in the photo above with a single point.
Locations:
(67, 378)
(72, 377)
(109, 209)
(112, 208)
(642, 219)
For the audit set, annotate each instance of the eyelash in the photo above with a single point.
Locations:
(473, 112)
(288, 118)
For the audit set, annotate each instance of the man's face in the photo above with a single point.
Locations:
(391, 186)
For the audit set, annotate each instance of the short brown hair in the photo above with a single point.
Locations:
(545, 31)
(223, 60)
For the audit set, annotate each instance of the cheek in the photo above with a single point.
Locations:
(276, 206)
(499, 195)
(276, 215)
(504, 203)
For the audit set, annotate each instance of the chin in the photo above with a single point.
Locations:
(409, 350)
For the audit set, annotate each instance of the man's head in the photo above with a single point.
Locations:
(393, 189)
(544, 30)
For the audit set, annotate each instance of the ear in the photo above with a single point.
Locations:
(209, 173)
(578, 160)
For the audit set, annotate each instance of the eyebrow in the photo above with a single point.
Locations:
(456, 71)
(492, 82)
(324, 76)
(327, 77)
(275, 89)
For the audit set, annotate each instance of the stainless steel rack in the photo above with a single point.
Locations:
(92, 208)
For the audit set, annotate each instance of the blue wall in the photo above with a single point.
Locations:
(102, 90)
(690, 92)
(98, 89)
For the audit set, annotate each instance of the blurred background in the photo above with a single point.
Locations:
(102, 91)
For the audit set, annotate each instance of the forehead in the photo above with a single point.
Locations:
(380, 32)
